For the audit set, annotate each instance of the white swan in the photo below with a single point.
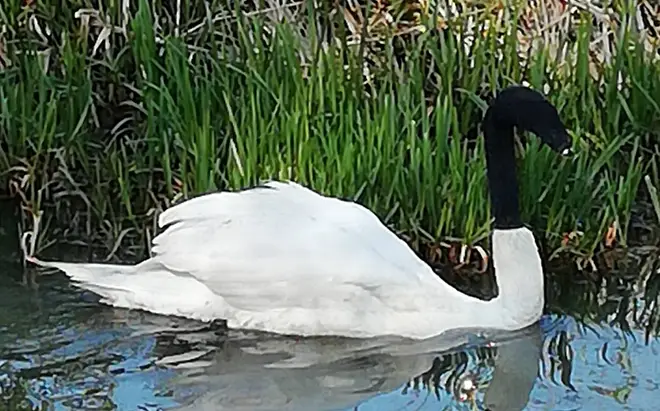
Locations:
(284, 259)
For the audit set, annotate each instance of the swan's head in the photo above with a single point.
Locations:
(527, 109)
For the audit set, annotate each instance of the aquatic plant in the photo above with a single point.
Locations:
(14, 395)
(107, 116)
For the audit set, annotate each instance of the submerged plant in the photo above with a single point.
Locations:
(14, 395)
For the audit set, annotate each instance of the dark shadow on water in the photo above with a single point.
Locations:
(593, 350)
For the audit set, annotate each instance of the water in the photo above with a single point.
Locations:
(74, 353)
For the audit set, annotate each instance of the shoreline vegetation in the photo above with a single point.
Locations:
(109, 116)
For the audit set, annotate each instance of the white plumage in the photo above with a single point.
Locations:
(285, 259)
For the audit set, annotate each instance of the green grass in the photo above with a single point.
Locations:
(98, 143)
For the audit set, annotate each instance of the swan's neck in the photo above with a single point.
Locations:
(519, 276)
(516, 259)
(501, 171)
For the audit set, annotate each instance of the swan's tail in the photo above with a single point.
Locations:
(146, 286)
(109, 281)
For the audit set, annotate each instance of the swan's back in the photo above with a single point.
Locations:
(284, 235)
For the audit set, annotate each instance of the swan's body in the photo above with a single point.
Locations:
(284, 259)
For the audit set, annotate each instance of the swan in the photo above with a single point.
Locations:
(282, 258)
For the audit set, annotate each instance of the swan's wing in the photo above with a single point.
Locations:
(283, 245)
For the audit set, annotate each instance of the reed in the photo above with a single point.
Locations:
(111, 118)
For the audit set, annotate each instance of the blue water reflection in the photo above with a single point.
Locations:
(75, 353)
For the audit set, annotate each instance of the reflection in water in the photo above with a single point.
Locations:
(277, 373)
(75, 353)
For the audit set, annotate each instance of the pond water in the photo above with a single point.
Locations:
(70, 352)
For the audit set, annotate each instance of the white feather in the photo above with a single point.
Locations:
(284, 259)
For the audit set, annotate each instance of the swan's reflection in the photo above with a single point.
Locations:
(253, 371)
(515, 371)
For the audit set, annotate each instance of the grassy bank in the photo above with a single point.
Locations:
(108, 117)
